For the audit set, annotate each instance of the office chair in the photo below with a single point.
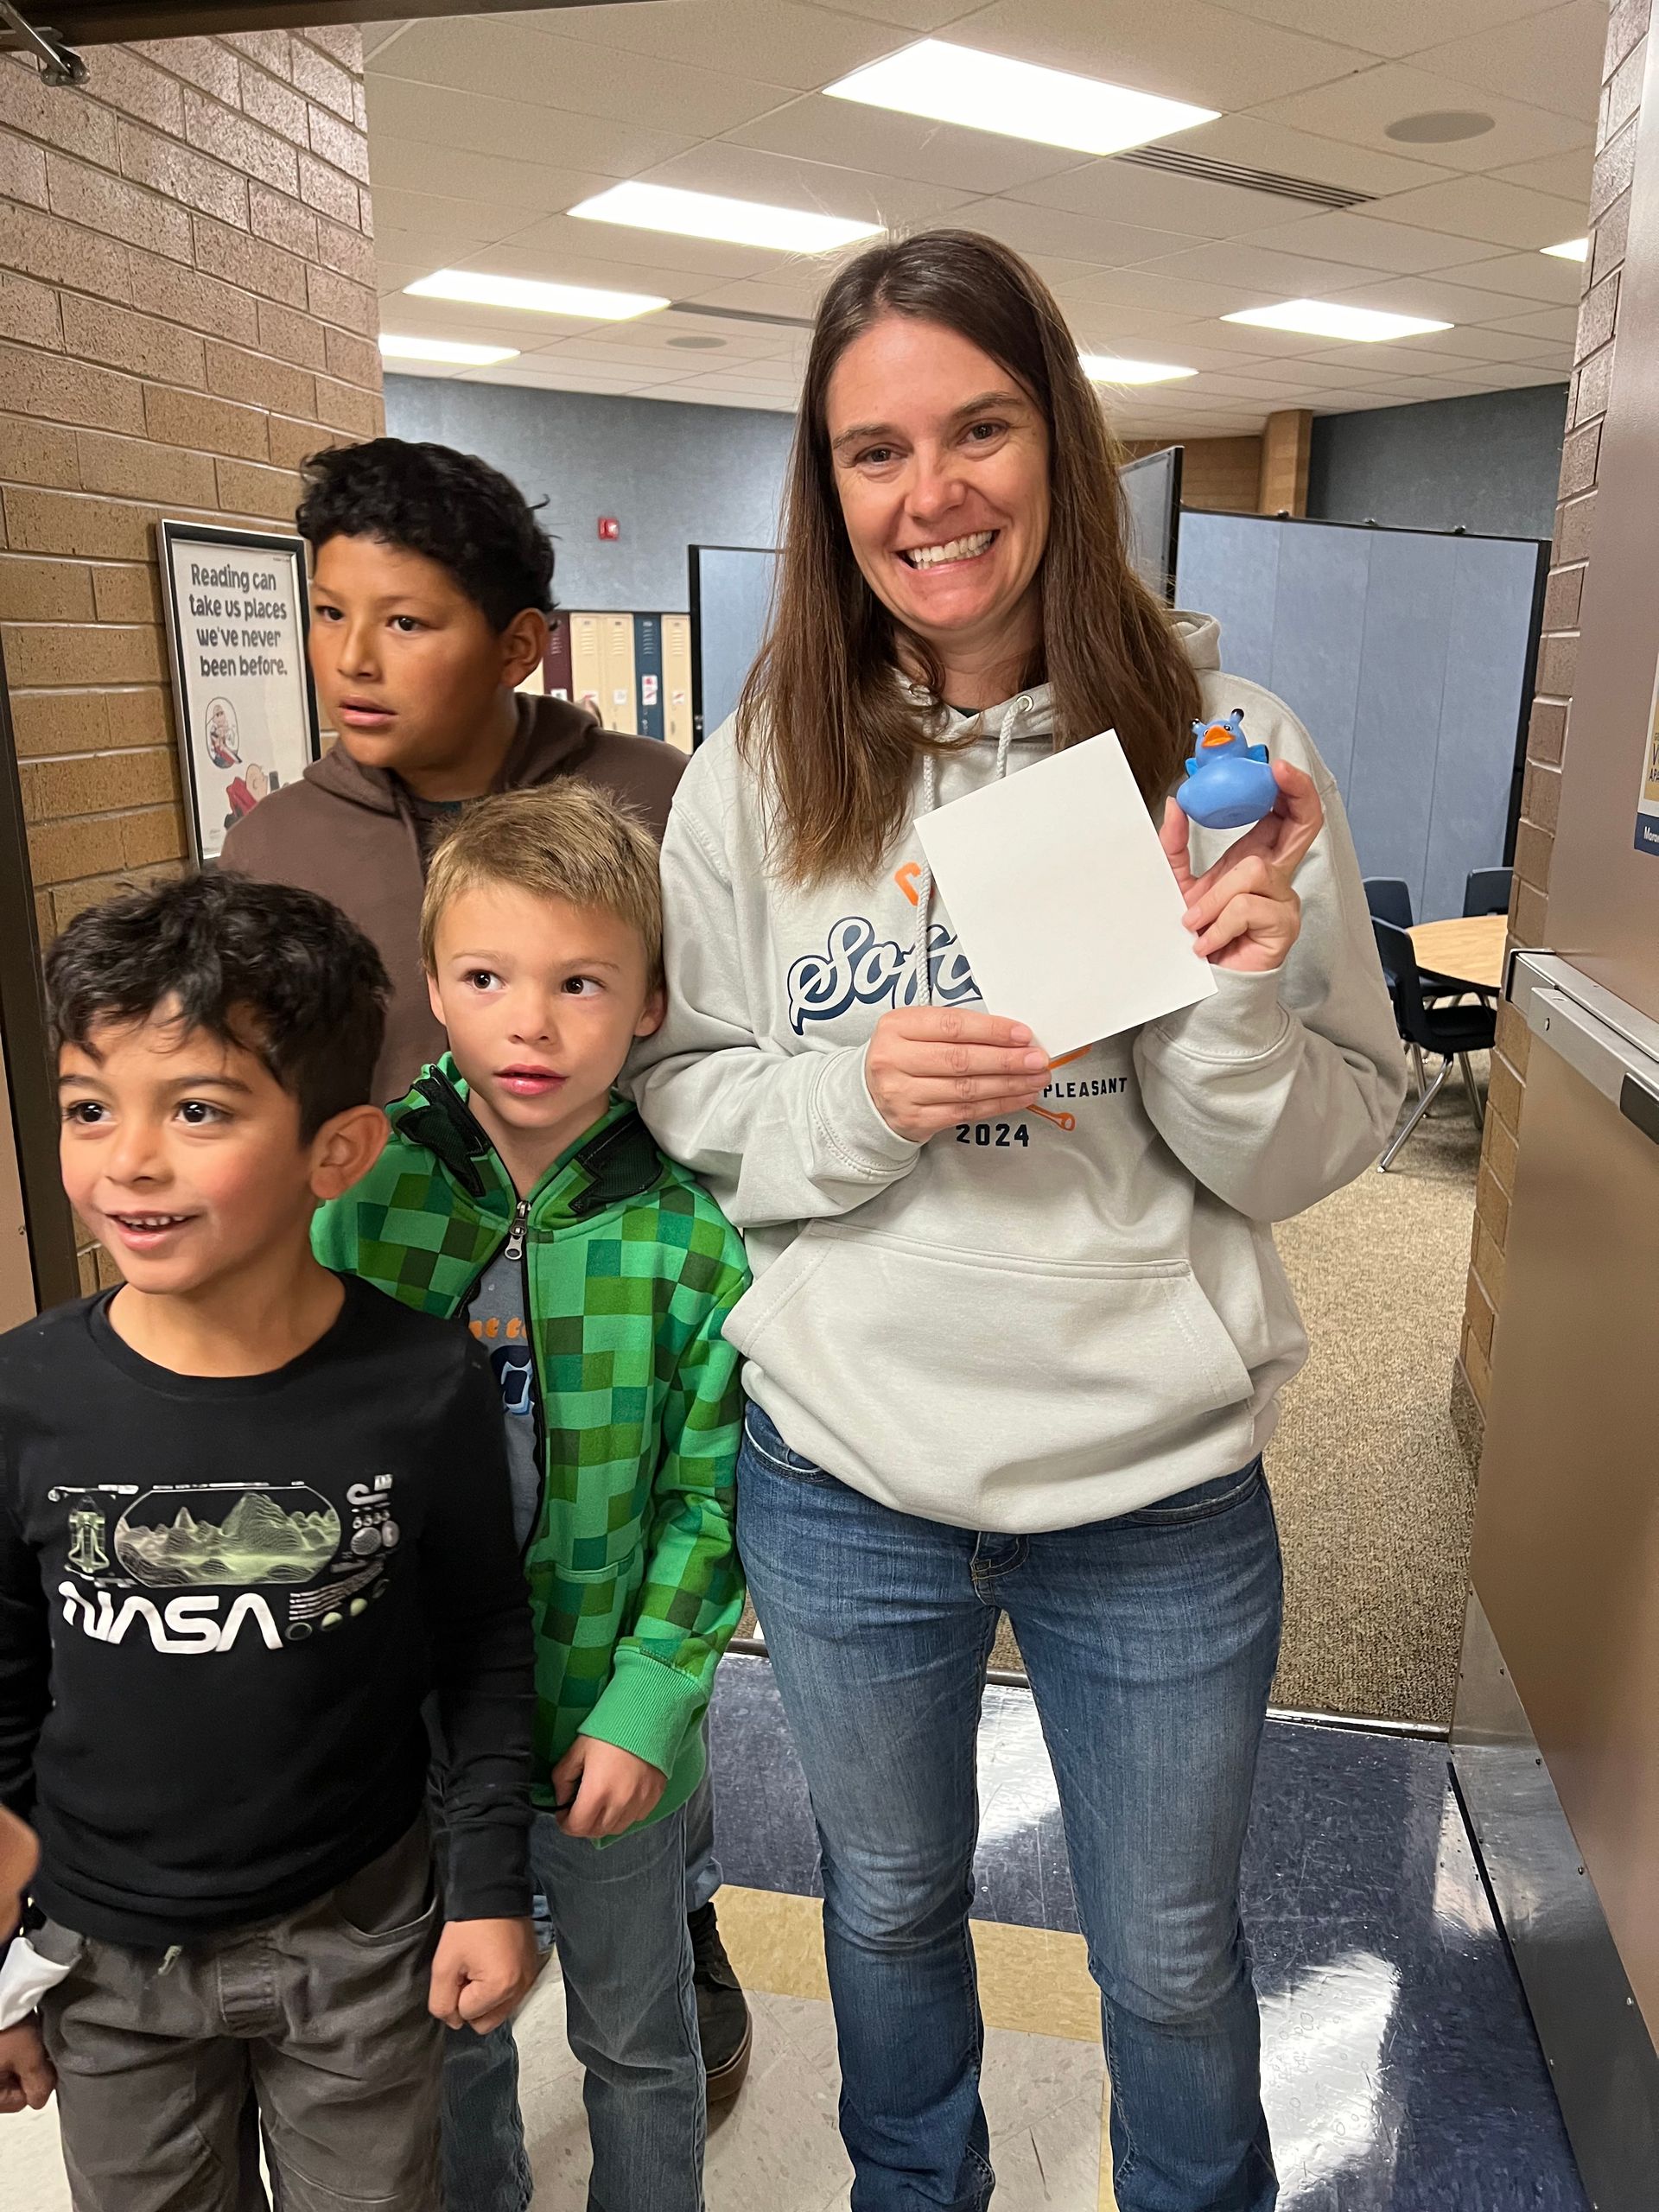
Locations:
(1388, 898)
(1452, 1032)
(1487, 891)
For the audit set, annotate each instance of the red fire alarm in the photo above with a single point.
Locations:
(609, 526)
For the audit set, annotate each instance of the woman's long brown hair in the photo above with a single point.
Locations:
(838, 737)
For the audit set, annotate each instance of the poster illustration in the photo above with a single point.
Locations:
(237, 619)
(1647, 804)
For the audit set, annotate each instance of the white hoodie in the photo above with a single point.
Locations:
(1037, 1322)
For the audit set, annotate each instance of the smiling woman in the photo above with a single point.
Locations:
(1016, 1336)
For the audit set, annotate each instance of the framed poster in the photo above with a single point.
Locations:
(236, 617)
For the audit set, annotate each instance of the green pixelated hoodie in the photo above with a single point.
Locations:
(630, 1271)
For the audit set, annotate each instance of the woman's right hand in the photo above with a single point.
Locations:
(930, 1067)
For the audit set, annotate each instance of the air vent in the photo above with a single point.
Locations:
(1301, 188)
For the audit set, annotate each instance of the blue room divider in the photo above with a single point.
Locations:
(1408, 654)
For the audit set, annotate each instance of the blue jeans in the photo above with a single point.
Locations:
(619, 1917)
(1150, 1641)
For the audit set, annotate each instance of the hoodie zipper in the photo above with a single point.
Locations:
(516, 1238)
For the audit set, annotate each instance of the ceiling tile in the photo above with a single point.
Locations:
(1356, 109)
(1267, 274)
(1480, 207)
(1388, 27)
(1541, 276)
(669, 277)
(494, 55)
(1155, 199)
(564, 238)
(409, 165)
(795, 294)
(748, 173)
(1545, 322)
(1566, 176)
(1370, 241)
(1183, 49)
(1433, 296)
(1552, 59)
(802, 47)
(1471, 340)
(1158, 288)
(440, 119)
(821, 129)
(1084, 240)
(1386, 360)
(912, 15)
(457, 226)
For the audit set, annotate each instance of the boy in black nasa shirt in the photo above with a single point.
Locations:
(249, 1515)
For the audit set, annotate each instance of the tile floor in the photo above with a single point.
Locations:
(1401, 2071)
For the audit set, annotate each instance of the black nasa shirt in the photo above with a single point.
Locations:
(222, 1602)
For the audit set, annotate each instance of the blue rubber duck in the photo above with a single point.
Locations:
(1229, 781)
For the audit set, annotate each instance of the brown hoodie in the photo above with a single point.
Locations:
(349, 832)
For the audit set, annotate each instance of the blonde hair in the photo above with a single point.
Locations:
(565, 839)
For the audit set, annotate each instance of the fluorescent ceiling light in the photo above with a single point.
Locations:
(708, 215)
(987, 92)
(541, 299)
(1568, 250)
(1325, 319)
(445, 349)
(1103, 368)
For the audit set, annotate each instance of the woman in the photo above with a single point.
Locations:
(1017, 1333)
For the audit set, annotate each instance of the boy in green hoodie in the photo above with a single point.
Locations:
(518, 1190)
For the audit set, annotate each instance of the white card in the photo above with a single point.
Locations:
(1064, 900)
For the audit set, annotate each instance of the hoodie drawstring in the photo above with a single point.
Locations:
(1011, 714)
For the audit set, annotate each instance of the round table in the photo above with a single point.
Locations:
(1467, 951)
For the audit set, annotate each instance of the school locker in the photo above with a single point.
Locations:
(555, 669)
(648, 672)
(620, 709)
(585, 674)
(677, 680)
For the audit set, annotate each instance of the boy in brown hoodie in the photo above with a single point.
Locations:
(431, 591)
(430, 605)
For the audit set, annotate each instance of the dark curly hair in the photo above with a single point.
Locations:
(275, 971)
(452, 508)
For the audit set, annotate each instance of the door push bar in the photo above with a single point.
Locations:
(1608, 1042)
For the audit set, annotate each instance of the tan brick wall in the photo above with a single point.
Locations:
(187, 307)
(1550, 732)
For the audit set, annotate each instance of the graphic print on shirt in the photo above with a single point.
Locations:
(510, 1362)
(856, 968)
(274, 1560)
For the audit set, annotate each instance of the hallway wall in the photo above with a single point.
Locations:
(187, 307)
(1549, 729)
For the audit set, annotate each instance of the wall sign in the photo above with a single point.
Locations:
(236, 617)
(1647, 804)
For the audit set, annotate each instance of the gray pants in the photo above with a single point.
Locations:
(321, 2015)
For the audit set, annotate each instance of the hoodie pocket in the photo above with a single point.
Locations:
(912, 1362)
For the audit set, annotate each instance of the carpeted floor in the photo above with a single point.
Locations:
(1374, 1493)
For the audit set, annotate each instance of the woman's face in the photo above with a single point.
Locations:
(941, 461)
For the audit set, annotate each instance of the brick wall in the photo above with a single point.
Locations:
(1549, 733)
(186, 308)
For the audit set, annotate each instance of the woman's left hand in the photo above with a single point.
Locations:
(1243, 912)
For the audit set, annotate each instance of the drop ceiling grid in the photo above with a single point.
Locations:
(485, 131)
